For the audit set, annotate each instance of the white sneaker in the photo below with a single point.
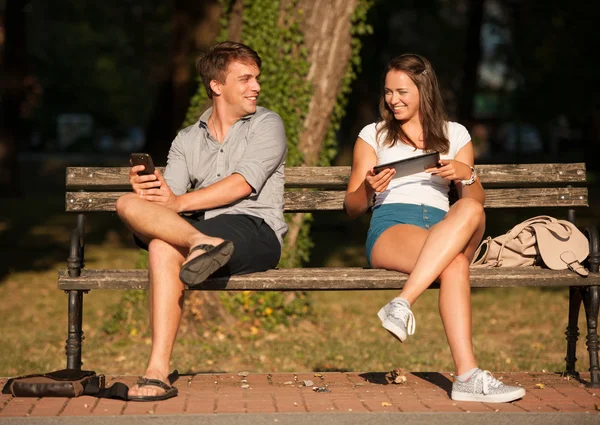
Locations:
(482, 386)
(398, 319)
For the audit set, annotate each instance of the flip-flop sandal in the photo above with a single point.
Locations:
(170, 391)
(198, 269)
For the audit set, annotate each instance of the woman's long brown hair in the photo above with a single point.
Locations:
(432, 112)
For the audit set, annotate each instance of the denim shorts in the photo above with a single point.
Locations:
(388, 215)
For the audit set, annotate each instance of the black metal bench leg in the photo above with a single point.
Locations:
(591, 301)
(75, 264)
(75, 338)
(572, 332)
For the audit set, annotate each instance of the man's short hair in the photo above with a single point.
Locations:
(214, 64)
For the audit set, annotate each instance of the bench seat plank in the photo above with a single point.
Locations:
(328, 200)
(336, 177)
(328, 278)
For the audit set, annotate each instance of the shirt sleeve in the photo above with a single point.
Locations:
(458, 136)
(265, 152)
(369, 135)
(176, 173)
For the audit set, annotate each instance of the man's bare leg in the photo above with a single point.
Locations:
(155, 221)
(166, 302)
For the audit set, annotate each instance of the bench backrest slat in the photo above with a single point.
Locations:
(323, 200)
(116, 178)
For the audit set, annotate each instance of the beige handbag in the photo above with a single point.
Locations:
(557, 243)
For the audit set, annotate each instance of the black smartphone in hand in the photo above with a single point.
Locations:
(142, 159)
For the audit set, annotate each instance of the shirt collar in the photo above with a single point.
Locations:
(203, 120)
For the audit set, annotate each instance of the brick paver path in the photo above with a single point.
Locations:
(344, 392)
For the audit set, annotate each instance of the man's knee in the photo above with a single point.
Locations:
(123, 205)
(161, 250)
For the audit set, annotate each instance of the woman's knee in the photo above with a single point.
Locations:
(470, 209)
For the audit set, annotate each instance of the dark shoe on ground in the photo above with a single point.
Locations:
(170, 391)
(198, 269)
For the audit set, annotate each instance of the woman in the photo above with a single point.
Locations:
(413, 229)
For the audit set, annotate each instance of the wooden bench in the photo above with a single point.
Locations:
(310, 189)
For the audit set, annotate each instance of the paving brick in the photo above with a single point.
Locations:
(287, 404)
(18, 407)
(349, 392)
(197, 405)
(52, 406)
(105, 407)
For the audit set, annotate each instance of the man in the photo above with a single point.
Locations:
(227, 170)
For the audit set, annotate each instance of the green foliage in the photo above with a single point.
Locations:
(267, 310)
(129, 316)
(284, 88)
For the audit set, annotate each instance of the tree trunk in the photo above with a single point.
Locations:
(326, 26)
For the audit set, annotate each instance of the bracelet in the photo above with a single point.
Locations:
(471, 179)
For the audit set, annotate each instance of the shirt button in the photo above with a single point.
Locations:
(218, 175)
(427, 225)
(426, 218)
(221, 150)
(424, 210)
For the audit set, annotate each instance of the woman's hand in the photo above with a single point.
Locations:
(379, 182)
(451, 169)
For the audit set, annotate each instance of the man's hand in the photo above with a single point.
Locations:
(139, 183)
(153, 188)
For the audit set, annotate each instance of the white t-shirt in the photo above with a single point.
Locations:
(421, 188)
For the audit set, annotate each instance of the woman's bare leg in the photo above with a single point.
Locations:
(444, 242)
(454, 300)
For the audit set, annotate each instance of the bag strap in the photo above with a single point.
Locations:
(484, 243)
(569, 258)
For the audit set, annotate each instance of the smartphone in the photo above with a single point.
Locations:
(142, 159)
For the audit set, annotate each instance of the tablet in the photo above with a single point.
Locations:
(413, 165)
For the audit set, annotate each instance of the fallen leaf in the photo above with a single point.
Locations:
(539, 386)
(318, 375)
(385, 404)
(399, 379)
(288, 383)
(245, 386)
(244, 373)
(308, 383)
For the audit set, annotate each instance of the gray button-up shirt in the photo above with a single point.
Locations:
(255, 147)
